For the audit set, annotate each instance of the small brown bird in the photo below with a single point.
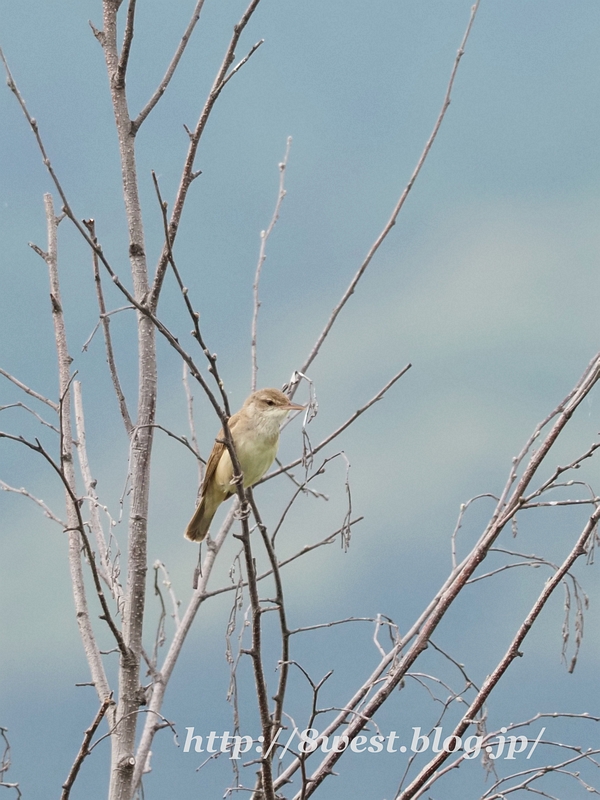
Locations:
(255, 433)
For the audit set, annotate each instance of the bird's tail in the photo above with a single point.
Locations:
(200, 523)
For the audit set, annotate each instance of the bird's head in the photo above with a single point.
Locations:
(270, 404)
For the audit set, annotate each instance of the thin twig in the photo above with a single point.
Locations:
(188, 175)
(106, 569)
(181, 439)
(264, 237)
(25, 388)
(306, 549)
(560, 409)
(164, 723)
(105, 319)
(342, 427)
(158, 565)
(88, 341)
(298, 484)
(32, 412)
(83, 750)
(331, 624)
(48, 164)
(191, 422)
(535, 773)
(127, 40)
(194, 315)
(162, 86)
(5, 762)
(47, 511)
(279, 601)
(504, 568)
(459, 521)
(551, 482)
(241, 63)
(302, 487)
(106, 615)
(398, 207)
(233, 661)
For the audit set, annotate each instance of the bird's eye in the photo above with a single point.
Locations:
(270, 402)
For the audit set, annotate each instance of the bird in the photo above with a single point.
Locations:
(255, 433)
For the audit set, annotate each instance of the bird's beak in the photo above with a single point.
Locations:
(294, 407)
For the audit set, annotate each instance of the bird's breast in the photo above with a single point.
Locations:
(256, 454)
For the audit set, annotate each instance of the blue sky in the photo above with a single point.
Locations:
(488, 284)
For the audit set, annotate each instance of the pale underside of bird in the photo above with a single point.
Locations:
(255, 433)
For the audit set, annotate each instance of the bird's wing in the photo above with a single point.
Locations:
(213, 461)
(216, 453)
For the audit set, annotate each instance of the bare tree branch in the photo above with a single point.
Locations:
(463, 509)
(47, 511)
(67, 474)
(342, 427)
(164, 674)
(25, 388)
(188, 173)
(135, 250)
(329, 539)
(427, 622)
(83, 750)
(264, 237)
(32, 412)
(191, 422)
(162, 86)
(79, 528)
(195, 317)
(105, 568)
(241, 63)
(279, 696)
(182, 440)
(88, 341)
(398, 207)
(535, 773)
(427, 775)
(5, 762)
(256, 654)
(105, 320)
(127, 40)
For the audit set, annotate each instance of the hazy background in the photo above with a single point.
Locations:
(488, 285)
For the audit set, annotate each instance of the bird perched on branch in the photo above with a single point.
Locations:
(255, 433)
